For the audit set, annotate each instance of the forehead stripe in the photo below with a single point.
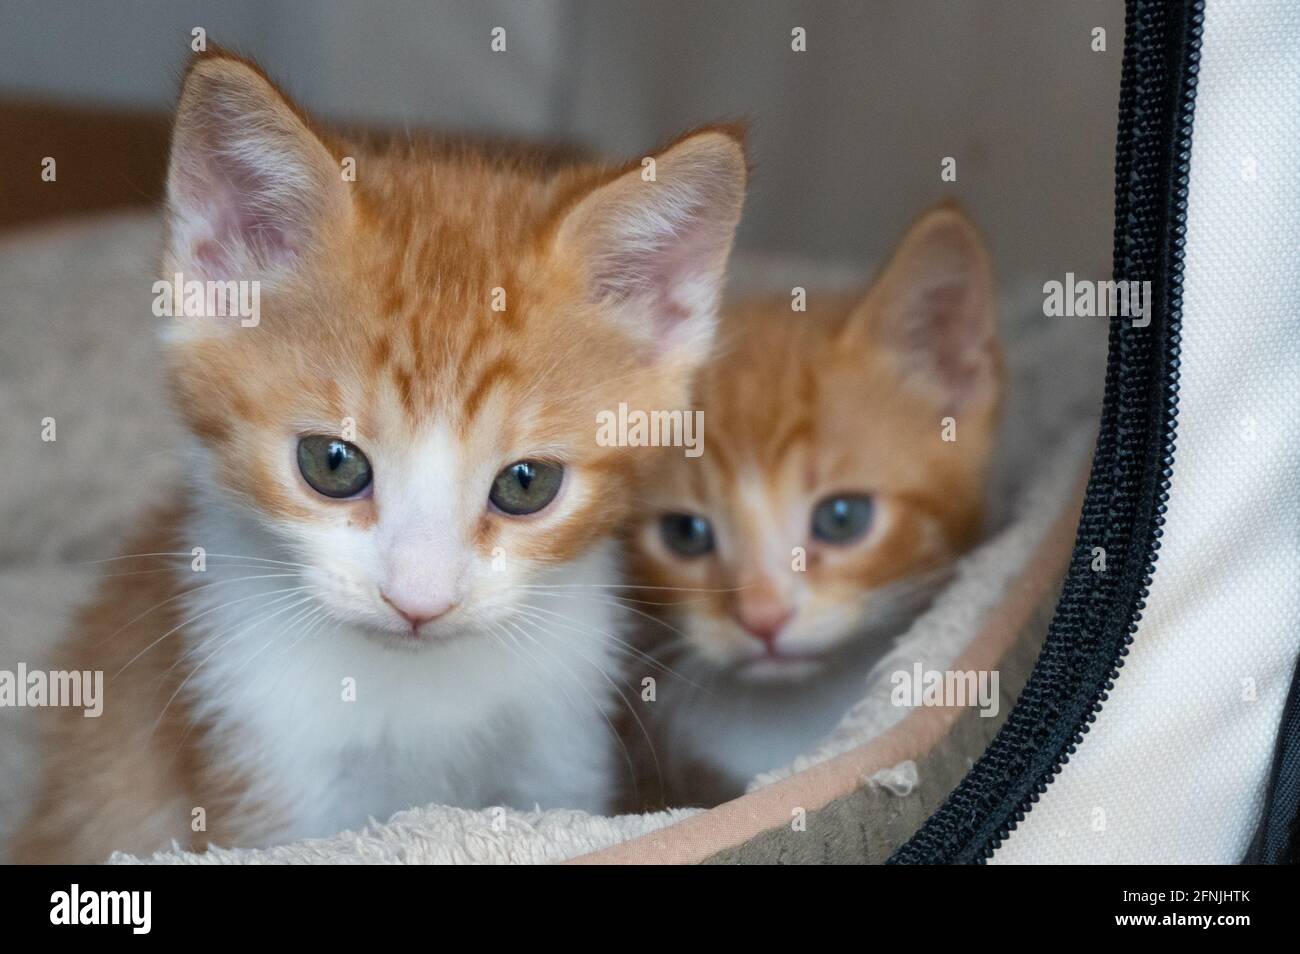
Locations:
(493, 374)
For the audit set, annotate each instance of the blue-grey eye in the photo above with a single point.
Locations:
(686, 534)
(333, 467)
(526, 486)
(843, 518)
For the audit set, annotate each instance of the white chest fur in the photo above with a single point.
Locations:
(331, 728)
(738, 729)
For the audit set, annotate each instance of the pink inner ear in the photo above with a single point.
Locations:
(241, 225)
(212, 259)
(238, 189)
(668, 272)
(946, 335)
(656, 250)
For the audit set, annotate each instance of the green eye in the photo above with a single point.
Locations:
(333, 467)
(686, 534)
(526, 486)
(842, 519)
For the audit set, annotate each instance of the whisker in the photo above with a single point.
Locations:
(301, 615)
(188, 591)
(188, 555)
(195, 671)
(642, 613)
(627, 755)
(325, 619)
(622, 600)
(186, 622)
(323, 614)
(209, 570)
(521, 652)
(571, 624)
(500, 636)
(252, 619)
(631, 586)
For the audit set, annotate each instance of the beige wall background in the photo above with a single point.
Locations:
(847, 138)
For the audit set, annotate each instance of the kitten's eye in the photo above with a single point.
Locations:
(333, 467)
(526, 486)
(842, 519)
(686, 534)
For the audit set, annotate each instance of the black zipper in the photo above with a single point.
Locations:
(1128, 487)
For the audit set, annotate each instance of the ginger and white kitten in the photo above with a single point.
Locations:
(823, 510)
(405, 517)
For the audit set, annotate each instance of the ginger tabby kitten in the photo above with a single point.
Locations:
(393, 477)
(823, 510)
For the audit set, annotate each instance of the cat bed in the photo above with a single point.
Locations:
(77, 292)
(1148, 694)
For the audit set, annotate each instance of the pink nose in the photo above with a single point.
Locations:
(417, 612)
(764, 622)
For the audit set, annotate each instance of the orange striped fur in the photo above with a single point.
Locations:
(381, 323)
(853, 396)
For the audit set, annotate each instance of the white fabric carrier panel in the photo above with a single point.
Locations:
(1175, 768)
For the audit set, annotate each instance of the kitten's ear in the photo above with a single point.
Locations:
(250, 186)
(653, 243)
(933, 310)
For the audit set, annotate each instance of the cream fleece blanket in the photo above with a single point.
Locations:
(76, 345)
